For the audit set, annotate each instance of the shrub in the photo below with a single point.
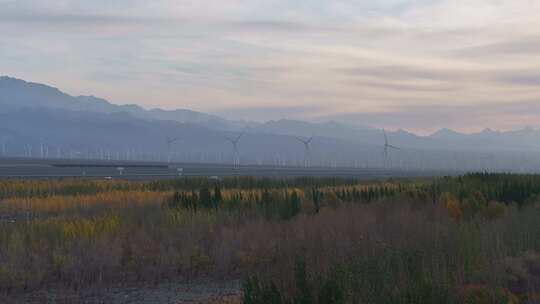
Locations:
(422, 291)
(330, 292)
(451, 204)
(494, 210)
(256, 292)
(474, 204)
(304, 290)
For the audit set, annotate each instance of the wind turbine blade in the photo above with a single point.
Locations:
(393, 147)
(172, 140)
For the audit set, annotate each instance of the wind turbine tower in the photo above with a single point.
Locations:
(28, 150)
(387, 148)
(170, 142)
(4, 149)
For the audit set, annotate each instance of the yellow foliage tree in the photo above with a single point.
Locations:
(451, 203)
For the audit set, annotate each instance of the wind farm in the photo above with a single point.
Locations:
(365, 161)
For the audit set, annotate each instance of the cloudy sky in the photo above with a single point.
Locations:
(414, 64)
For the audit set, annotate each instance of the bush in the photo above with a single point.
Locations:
(494, 210)
(330, 292)
(422, 291)
(474, 204)
(304, 291)
(451, 203)
(256, 292)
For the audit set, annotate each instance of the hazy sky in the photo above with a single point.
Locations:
(414, 64)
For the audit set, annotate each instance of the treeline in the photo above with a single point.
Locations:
(45, 188)
(278, 204)
(465, 197)
(251, 183)
(506, 188)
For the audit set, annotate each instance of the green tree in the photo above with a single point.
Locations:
(316, 199)
(295, 204)
(205, 198)
(218, 198)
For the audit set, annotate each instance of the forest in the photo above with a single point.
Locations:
(468, 239)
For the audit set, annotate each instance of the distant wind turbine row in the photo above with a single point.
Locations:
(384, 155)
(307, 148)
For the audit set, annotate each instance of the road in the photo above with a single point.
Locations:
(25, 168)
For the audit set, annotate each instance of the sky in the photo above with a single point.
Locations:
(419, 65)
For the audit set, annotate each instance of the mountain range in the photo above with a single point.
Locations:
(35, 115)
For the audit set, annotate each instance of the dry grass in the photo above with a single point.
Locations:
(58, 204)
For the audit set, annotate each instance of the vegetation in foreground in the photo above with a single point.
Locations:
(471, 239)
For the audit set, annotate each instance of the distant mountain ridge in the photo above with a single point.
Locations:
(16, 94)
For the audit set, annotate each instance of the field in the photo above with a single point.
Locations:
(469, 239)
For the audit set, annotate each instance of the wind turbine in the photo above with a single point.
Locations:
(4, 145)
(387, 148)
(307, 149)
(234, 142)
(28, 150)
(170, 142)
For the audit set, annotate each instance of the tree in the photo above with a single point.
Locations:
(295, 204)
(316, 199)
(451, 203)
(218, 198)
(473, 204)
(205, 198)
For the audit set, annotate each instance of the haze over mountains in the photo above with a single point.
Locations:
(39, 121)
